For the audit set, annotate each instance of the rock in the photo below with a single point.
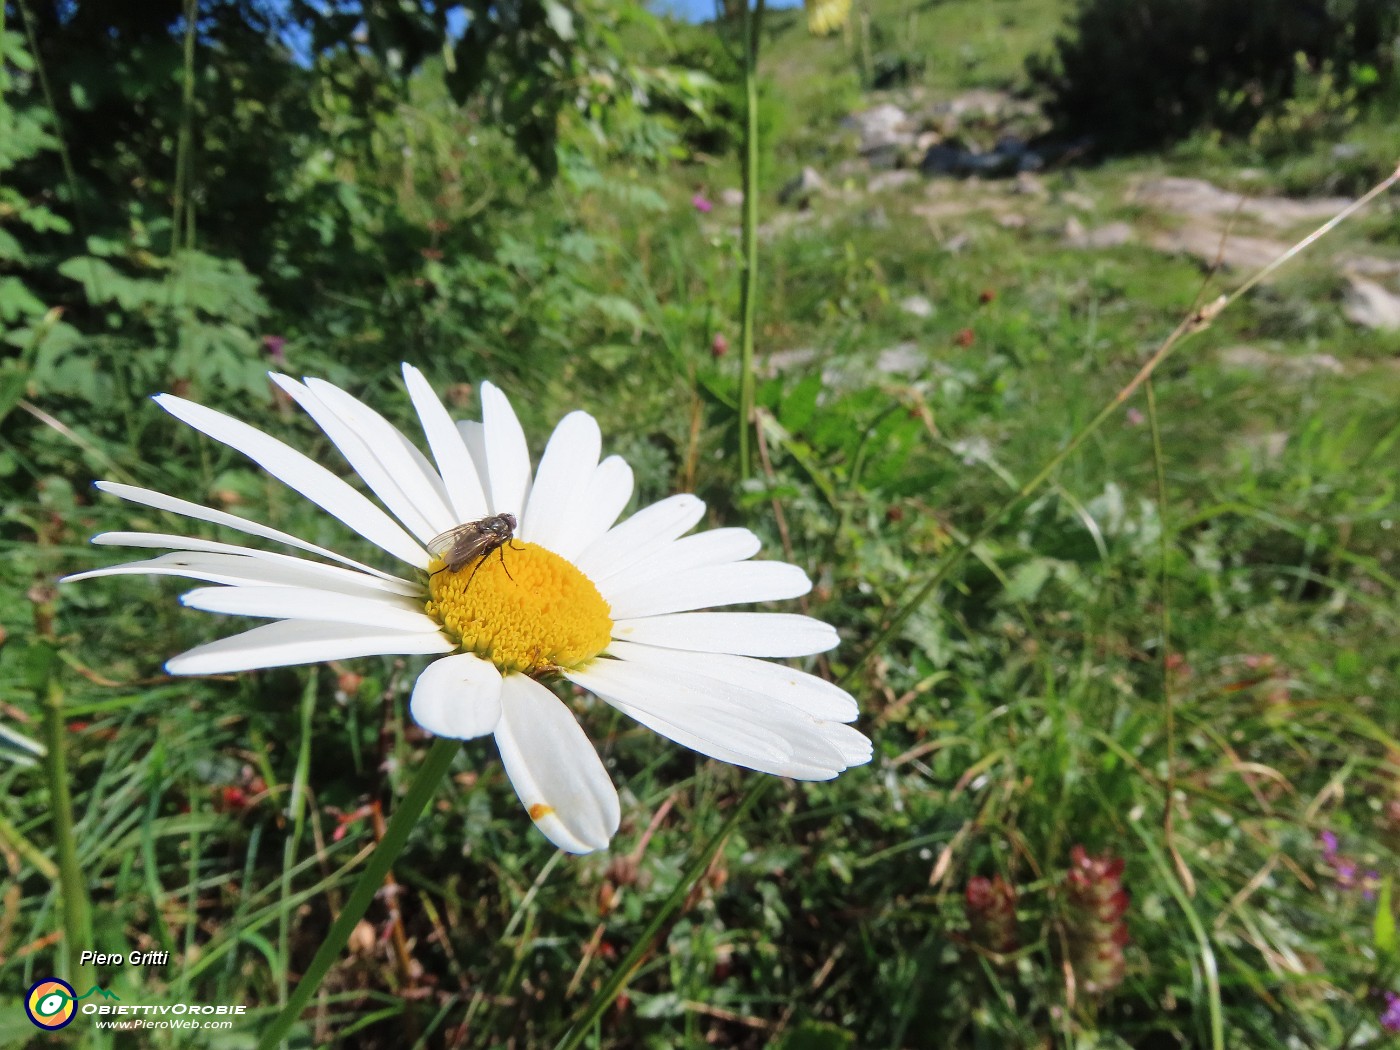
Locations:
(1346, 151)
(1196, 197)
(1113, 235)
(927, 140)
(875, 218)
(1304, 366)
(1012, 221)
(1371, 305)
(884, 181)
(880, 127)
(916, 306)
(943, 160)
(886, 157)
(731, 198)
(1202, 239)
(800, 189)
(1078, 201)
(900, 359)
(1029, 185)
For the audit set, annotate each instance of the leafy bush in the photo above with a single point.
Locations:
(1133, 73)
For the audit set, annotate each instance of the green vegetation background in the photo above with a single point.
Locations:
(183, 210)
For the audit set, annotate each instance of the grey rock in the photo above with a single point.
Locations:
(880, 127)
(731, 198)
(884, 181)
(1198, 197)
(800, 189)
(916, 306)
(1303, 366)
(1371, 305)
(1113, 235)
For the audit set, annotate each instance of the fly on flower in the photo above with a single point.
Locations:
(474, 542)
(613, 607)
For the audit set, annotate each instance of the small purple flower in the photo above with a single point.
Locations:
(1135, 417)
(1390, 1019)
(702, 204)
(275, 348)
(1329, 844)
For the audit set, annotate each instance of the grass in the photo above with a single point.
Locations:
(1106, 658)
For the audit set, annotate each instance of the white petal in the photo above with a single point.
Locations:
(310, 603)
(741, 633)
(645, 531)
(474, 437)
(311, 479)
(745, 581)
(566, 468)
(380, 463)
(855, 746)
(302, 642)
(453, 460)
(715, 547)
(507, 455)
(409, 468)
(160, 501)
(725, 722)
(776, 683)
(330, 577)
(458, 696)
(554, 768)
(607, 494)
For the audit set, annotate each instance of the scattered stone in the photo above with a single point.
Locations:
(1371, 305)
(875, 218)
(881, 127)
(1370, 266)
(1078, 201)
(1029, 185)
(916, 305)
(901, 359)
(1012, 221)
(1303, 366)
(1113, 235)
(1203, 240)
(891, 180)
(800, 189)
(942, 159)
(926, 140)
(1197, 197)
(731, 198)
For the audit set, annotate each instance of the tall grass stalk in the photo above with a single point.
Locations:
(296, 817)
(425, 782)
(72, 884)
(748, 289)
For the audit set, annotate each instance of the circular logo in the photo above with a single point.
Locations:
(49, 1003)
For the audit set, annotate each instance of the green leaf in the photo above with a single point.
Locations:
(817, 1035)
(1383, 929)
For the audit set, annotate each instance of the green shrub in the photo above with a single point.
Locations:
(1135, 73)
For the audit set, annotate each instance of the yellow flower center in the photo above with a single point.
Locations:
(523, 608)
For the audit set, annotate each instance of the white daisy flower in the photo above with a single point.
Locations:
(609, 607)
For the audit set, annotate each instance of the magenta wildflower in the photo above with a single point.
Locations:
(1390, 1018)
(702, 204)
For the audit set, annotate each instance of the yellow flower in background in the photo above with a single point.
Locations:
(825, 17)
(561, 591)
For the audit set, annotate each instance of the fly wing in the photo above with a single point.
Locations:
(444, 542)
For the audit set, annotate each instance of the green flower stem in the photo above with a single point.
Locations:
(694, 871)
(420, 792)
(748, 289)
(77, 912)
